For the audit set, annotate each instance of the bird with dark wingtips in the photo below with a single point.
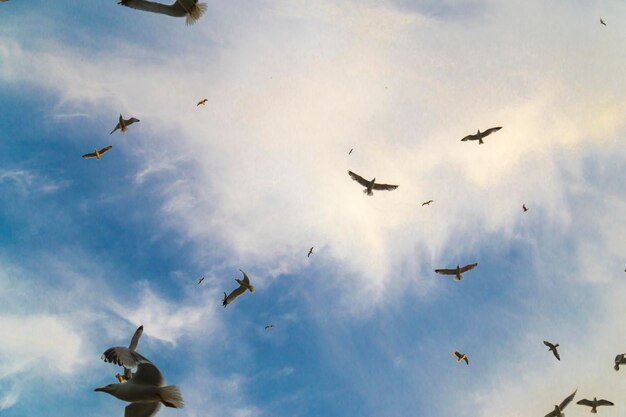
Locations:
(132, 346)
(594, 404)
(370, 185)
(310, 252)
(457, 271)
(479, 136)
(524, 208)
(243, 286)
(427, 203)
(619, 360)
(97, 153)
(602, 22)
(190, 9)
(202, 102)
(558, 409)
(460, 357)
(123, 124)
(552, 348)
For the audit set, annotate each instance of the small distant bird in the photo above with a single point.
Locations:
(310, 251)
(427, 203)
(243, 286)
(350, 151)
(269, 326)
(460, 357)
(480, 135)
(456, 272)
(200, 280)
(123, 124)
(370, 185)
(180, 8)
(524, 208)
(602, 22)
(558, 409)
(620, 360)
(133, 347)
(594, 404)
(203, 101)
(552, 348)
(97, 153)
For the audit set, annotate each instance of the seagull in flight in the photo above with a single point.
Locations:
(269, 326)
(480, 135)
(460, 357)
(552, 348)
(524, 208)
(123, 124)
(350, 151)
(594, 404)
(180, 8)
(243, 286)
(602, 22)
(146, 390)
(132, 346)
(457, 272)
(370, 185)
(203, 101)
(427, 203)
(97, 153)
(200, 280)
(620, 360)
(310, 251)
(558, 409)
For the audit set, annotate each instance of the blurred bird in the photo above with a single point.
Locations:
(552, 348)
(133, 347)
(203, 101)
(146, 389)
(200, 280)
(123, 124)
(620, 360)
(602, 22)
(370, 185)
(456, 272)
(269, 326)
(558, 409)
(524, 208)
(97, 153)
(310, 251)
(427, 203)
(180, 8)
(480, 135)
(350, 151)
(460, 357)
(243, 286)
(594, 404)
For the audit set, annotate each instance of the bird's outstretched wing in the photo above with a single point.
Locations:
(605, 402)
(89, 155)
(457, 354)
(446, 271)
(490, 131)
(234, 294)
(556, 354)
(175, 10)
(105, 149)
(548, 344)
(585, 402)
(387, 187)
(468, 267)
(469, 137)
(148, 374)
(142, 409)
(135, 339)
(359, 179)
(567, 400)
(245, 278)
(123, 356)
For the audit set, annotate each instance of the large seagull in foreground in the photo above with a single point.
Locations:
(244, 284)
(370, 185)
(180, 8)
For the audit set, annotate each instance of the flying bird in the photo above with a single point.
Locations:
(552, 348)
(594, 404)
(133, 347)
(620, 360)
(427, 203)
(460, 357)
(310, 251)
(180, 8)
(243, 286)
(524, 208)
(269, 326)
(558, 409)
(203, 101)
(602, 22)
(123, 124)
(480, 135)
(200, 280)
(456, 272)
(146, 390)
(350, 151)
(370, 185)
(97, 153)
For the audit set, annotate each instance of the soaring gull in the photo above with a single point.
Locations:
(594, 404)
(457, 271)
(460, 357)
(480, 135)
(123, 124)
(97, 153)
(552, 348)
(243, 286)
(558, 409)
(180, 8)
(370, 185)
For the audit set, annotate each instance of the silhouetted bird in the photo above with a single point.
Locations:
(602, 22)
(269, 326)
(594, 404)
(552, 348)
(620, 360)
(460, 357)
(243, 286)
(427, 203)
(123, 124)
(180, 8)
(480, 135)
(350, 151)
(456, 272)
(203, 101)
(200, 280)
(97, 153)
(370, 185)
(310, 251)
(524, 208)
(558, 409)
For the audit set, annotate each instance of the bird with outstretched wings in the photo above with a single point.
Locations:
(97, 153)
(190, 9)
(552, 348)
(595, 403)
(479, 136)
(371, 185)
(460, 357)
(457, 271)
(244, 285)
(558, 409)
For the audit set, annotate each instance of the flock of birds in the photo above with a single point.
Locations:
(145, 388)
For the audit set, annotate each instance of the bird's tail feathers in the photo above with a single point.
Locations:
(480, 141)
(368, 192)
(171, 397)
(593, 410)
(195, 13)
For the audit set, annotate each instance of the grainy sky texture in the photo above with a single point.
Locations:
(91, 249)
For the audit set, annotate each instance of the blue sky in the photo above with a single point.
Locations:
(89, 250)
